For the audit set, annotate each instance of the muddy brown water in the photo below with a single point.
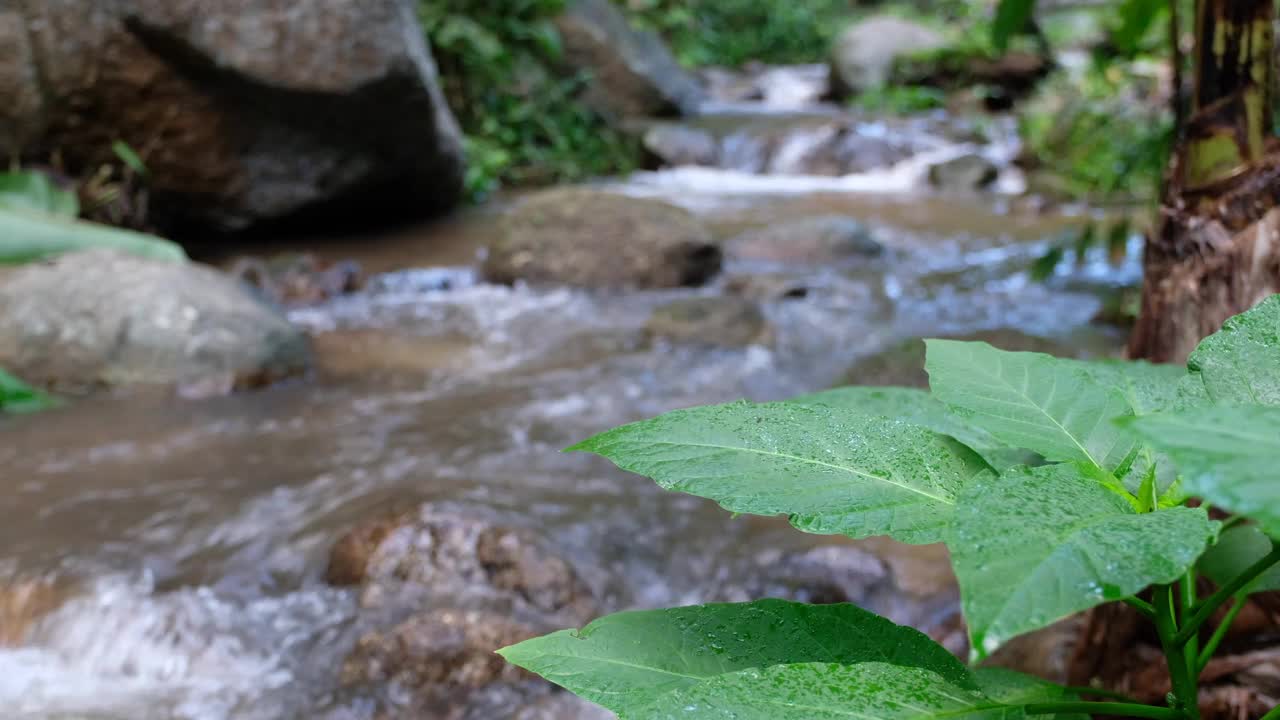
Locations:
(190, 536)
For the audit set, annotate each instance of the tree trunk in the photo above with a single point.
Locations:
(1216, 248)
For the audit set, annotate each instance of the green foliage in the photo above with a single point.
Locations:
(522, 115)
(1126, 445)
(899, 99)
(18, 397)
(735, 32)
(38, 220)
(1012, 17)
(831, 471)
(660, 651)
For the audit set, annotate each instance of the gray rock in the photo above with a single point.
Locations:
(820, 240)
(632, 73)
(101, 317)
(863, 54)
(715, 321)
(589, 238)
(243, 110)
(677, 145)
(963, 174)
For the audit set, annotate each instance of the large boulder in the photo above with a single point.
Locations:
(243, 110)
(864, 53)
(632, 74)
(589, 238)
(103, 318)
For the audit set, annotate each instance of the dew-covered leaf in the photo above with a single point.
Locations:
(1229, 456)
(1031, 400)
(1240, 364)
(1015, 688)
(1237, 549)
(626, 660)
(825, 691)
(1034, 545)
(911, 404)
(1148, 387)
(831, 471)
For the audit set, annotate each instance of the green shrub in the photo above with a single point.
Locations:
(1105, 517)
(734, 32)
(519, 111)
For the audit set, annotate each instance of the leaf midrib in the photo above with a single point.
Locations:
(809, 461)
(1020, 393)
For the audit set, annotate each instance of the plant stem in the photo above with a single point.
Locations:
(1219, 633)
(1105, 708)
(1141, 606)
(1186, 693)
(1186, 603)
(1209, 606)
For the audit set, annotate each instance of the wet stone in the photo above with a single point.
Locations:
(729, 322)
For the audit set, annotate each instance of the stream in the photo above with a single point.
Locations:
(189, 538)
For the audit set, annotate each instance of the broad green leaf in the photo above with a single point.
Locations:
(629, 659)
(1237, 549)
(35, 192)
(1230, 456)
(1011, 18)
(1015, 688)
(911, 404)
(825, 691)
(1147, 387)
(18, 397)
(831, 471)
(1240, 364)
(1035, 545)
(129, 157)
(27, 236)
(1031, 400)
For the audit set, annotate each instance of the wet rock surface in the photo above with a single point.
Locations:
(712, 321)
(965, 173)
(23, 602)
(243, 110)
(588, 238)
(103, 318)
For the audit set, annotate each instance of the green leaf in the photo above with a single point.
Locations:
(1035, 545)
(825, 691)
(1147, 387)
(1031, 400)
(1240, 364)
(910, 404)
(1136, 18)
(832, 471)
(1237, 549)
(1011, 18)
(35, 192)
(18, 397)
(1230, 456)
(1014, 688)
(626, 660)
(129, 157)
(26, 236)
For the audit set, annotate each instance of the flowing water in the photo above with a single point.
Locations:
(190, 536)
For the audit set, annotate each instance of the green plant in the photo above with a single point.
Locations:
(522, 115)
(1107, 516)
(900, 100)
(735, 32)
(39, 220)
(17, 397)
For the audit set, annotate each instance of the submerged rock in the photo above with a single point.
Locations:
(729, 322)
(23, 602)
(590, 238)
(863, 55)
(632, 73)
(963, 174)
(818, 240)
(297, 278)
(242, 110)
(438, 649)
(104, 318)
(679, 145)
(435, 552)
